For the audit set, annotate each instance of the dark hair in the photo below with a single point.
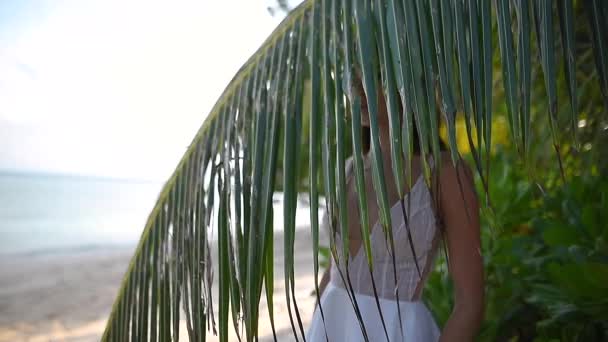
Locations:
(366, 140)
(366, 133)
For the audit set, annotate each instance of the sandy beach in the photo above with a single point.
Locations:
(67, 296)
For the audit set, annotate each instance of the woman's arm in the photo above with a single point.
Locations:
(325, 279)
(460, 212)
(325, 224)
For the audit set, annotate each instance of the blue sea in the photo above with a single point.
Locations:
(49, 213)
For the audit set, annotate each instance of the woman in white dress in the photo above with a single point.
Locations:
(453, 217)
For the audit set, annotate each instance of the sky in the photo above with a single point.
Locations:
(114, 88)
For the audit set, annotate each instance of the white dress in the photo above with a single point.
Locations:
(417, 323)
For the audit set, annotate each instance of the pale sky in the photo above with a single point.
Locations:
(116, 88)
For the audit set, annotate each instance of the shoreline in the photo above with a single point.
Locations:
(68, 250)
(67, 295)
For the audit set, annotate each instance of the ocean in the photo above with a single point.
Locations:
(50, 213)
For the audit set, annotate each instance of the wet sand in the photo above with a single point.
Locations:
(67, 296)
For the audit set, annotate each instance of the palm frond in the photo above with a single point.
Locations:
(423, 57)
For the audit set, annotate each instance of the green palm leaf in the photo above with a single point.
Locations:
(433, 56)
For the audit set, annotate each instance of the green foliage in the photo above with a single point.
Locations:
(433, 57)
(545, 255)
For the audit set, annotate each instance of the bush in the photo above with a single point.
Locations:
(546, 259)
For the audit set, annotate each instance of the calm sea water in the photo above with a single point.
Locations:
(42, 213)
(47, 213)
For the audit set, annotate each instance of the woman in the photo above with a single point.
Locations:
(453, 217)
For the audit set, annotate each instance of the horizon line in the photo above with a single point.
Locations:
(59, 174)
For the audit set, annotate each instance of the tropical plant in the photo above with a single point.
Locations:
(292, 107)
(546, 258)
